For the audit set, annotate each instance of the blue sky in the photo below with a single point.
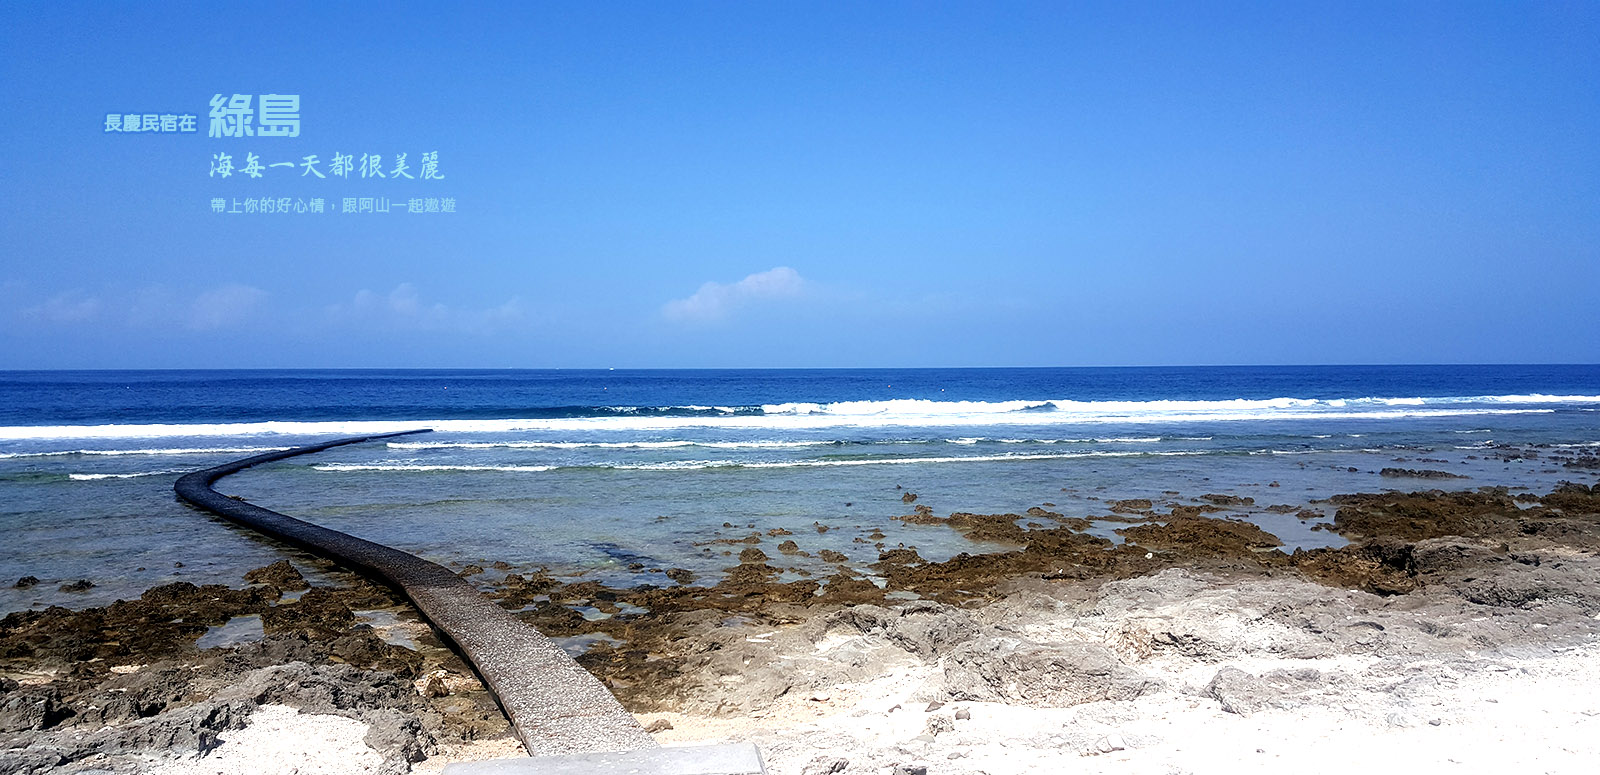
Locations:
(811, 184)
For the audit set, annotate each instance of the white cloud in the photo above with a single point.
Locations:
(69, 307)
(401, 304)
(224, 306)
(505, 314)
(165, 308)
(715, 301)
(152, 306)
(404, 309)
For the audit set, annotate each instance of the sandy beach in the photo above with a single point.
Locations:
(1456, 631)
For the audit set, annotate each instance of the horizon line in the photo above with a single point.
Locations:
(793, 368)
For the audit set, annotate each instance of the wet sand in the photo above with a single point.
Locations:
(1454, 625)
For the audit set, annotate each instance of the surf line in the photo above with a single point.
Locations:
(555, 705)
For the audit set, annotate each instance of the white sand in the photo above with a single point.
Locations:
(1425, 683)
(1403, 702)
(280, 739)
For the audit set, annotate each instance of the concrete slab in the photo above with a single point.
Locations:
(556, 706)
(728, 759)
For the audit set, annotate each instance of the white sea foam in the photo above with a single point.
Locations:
(693, 465)
(132, 475)
(604, 444)
(1539, 398)
(904, 406)
(866, 414)
(414, 467)
(177, 451)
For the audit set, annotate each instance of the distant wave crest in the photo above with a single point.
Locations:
(694, 465)
(165, 451)
(893, 413)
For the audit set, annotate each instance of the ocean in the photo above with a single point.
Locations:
(618, 475)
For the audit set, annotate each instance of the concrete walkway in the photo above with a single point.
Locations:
(556, 706)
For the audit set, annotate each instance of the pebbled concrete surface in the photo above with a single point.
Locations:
(556, 706)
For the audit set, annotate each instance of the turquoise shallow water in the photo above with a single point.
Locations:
(526, 468)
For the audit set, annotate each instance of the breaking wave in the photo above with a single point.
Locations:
(857, 414)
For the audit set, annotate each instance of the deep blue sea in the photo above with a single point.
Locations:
(596, 472)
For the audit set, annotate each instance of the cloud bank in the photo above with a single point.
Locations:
(715, 301)
(403, 309)
(237, 306)
(226, 306)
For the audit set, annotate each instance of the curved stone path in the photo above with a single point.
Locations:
(556, 706)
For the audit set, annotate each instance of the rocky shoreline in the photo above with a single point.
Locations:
(127, 687)
(1062, 643)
